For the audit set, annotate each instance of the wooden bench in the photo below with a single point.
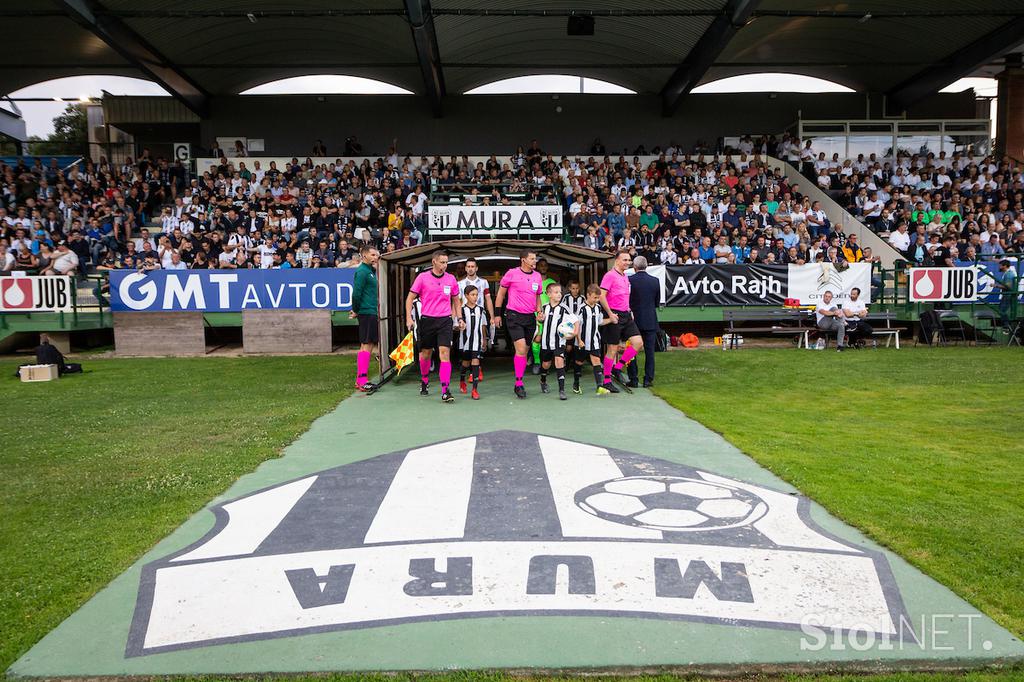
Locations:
(770, 321)
(888, 331)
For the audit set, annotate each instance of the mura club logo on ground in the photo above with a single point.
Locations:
(507, 524)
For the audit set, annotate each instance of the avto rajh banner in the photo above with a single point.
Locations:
(726, 284)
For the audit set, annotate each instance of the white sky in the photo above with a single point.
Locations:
(39, 115)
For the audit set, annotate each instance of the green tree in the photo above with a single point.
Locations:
(70, 129)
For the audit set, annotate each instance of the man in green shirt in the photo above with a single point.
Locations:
(649, 219)
(542, 268)
(364, 307)
(1006, 283)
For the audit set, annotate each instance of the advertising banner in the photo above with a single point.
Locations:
(36, 294)
(943, 284)
(808, 283)
(494, 220)
(230, 290)
(725, 284)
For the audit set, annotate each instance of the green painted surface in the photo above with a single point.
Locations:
(92, 641)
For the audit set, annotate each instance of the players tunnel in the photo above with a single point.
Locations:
(566, 262)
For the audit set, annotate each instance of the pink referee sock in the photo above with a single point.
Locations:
(445, 374)
(362, 367)
(627, 355)
(519, 363)
(608, 362)
(425, 369)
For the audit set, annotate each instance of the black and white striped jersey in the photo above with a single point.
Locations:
(471, 337)
(591, 317)
(574, 304)
(553, 316)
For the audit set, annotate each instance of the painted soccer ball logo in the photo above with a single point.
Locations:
(671, 503)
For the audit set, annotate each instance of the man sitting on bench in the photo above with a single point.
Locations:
(830, 319)
(856, 313)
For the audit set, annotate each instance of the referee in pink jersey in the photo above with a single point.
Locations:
(522, 286)
(440, 312)
(615, 301)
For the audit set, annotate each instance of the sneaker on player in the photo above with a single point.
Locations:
(447, 397)
(544, 387)
(576, 389)
(475, 394)
(610, 387)
(562, 395)
(601, 390)
(423, 389)
(520, 392)
(462, 386)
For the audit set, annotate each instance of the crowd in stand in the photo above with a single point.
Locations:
(301, 215)
(935, 209)
(692, 210)
(151, 213)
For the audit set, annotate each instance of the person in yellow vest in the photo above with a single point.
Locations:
(852, 251)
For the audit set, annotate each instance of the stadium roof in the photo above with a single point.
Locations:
(198, 48)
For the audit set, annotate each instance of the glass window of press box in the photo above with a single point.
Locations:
(882, 138)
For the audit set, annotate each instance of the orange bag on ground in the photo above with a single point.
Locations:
(689, 340)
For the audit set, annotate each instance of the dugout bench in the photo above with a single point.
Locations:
(799, 323)
(791, 322)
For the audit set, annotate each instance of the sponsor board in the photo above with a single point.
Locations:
(725, 284)
(989, 275)
(231, 290)
(464, 220)
(507, 523)
(943, 284)
(808, 283)
(34, 294)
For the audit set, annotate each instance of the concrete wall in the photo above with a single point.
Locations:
(485, 124)
(286, 331)
(159, 334)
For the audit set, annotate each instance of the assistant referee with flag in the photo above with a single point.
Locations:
(364, 307)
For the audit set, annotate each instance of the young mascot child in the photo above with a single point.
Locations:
(588, 341)
(552, 345)
(473, 339)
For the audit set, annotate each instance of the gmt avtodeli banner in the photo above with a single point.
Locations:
(222, 291)
(755, 284)
(487, 220)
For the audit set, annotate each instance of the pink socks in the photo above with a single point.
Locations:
(445, 373)
(362, 367)
(425, 369)
(608, 362)
(627, 355)
(519, 363)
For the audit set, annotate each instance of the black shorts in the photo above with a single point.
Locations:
(435, 331)
(615, 333)
(549, 355)
(582, 355)
(520, 325)
(369, 329)
(469, 355)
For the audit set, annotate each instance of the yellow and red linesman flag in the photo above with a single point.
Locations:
(402, 355)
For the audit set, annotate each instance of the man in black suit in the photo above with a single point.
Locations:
(644, 298)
